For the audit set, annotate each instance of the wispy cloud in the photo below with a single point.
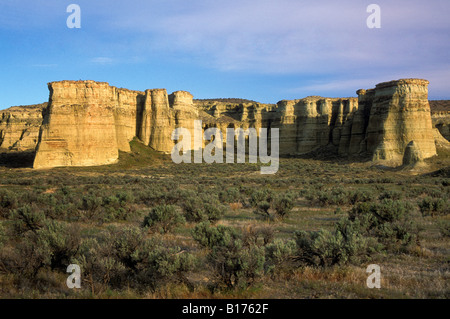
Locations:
(43, 65)
(102, 60)
(291, 36)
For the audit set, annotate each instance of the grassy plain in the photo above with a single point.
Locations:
(50, 218)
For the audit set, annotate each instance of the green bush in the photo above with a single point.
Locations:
(61, 240)
(279, 255)
(277, 206)
(27, 218)
(391, 194)
(283, 205)
(231, 195)
(202, 208)
(158, 264)
(325, 248)
(434, 206)
(53, 245)
(100, 264)
(163, 218)
(444, 228)
(8, 202)
(25, 258)
(337, 196)
(261, 195)
(233, 263)
(389, 221)
(122, 257)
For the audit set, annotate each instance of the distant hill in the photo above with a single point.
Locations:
(440, 105)
(226, 100)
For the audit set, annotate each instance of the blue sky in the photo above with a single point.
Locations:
(264, 50)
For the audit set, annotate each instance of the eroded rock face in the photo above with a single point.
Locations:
(440, 117)
(304, 125)
(19, 127)
(399, 114)
(413, 154)
(87, 122)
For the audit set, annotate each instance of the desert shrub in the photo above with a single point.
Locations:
(444, 228)
(163, 218)
(283, 204)
(91, 206)
(233, 263)
(121, 257)
(99, 264)
(337, 196)
(263, 209)
(261, 195)
(158, 264)
(231, 195)
(386, 211)
(359, 196)
(279, 255)
(390, 194)
(108, 259)
(257, 235)
(61, 240)
(8, 202)
(434, 206)
(204, 207)
(389, 221)
(124, 243)
(327, 248)
(277, 206)
(26, 218)
(25, 258)
(53, 245)
(125, 198)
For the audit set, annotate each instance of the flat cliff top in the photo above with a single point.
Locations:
(402, 82)
(226, 100)
(25, 108)
(89, 83)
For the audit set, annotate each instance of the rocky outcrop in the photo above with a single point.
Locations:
(19, 127)
(304, 125)
(88, 123)
(399, 113)
(440, 117)
(413, 154)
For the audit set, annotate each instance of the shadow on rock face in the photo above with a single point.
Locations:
(17, 159)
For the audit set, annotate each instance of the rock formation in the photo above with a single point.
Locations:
(88, 123)
(440, 117)
(19, 127)
(399, 113)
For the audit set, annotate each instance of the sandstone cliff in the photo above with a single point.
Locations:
(305, 124)
(399, 114)
(440, 117)
(19, 127)
(88, 123)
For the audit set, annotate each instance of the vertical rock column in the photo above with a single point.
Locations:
(162, 121)
(181, 102)
(79, 126)
(400, 114)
